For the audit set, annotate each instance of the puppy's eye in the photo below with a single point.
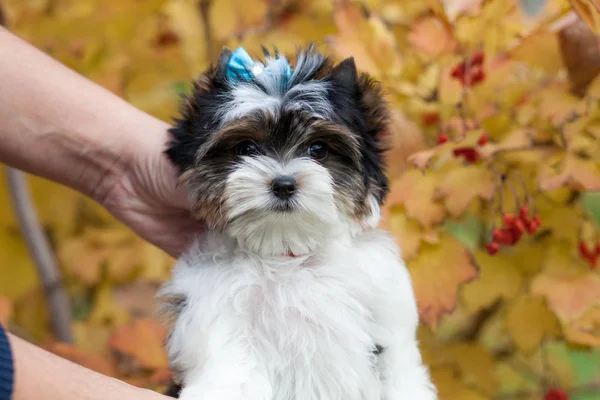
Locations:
(317, 150)
(247, 148)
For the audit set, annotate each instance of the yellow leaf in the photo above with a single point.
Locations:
(574, 172)
(17, 270)
(367, 39)
(106, 311)
(415, 190)
(529, 321)
(450, 387)
(143, 340)
(475, 364)
(586, 329)
(186, 21)
(437, 273)
(31, 313)
(464, 184)
(235, 17)
(499, 278)
(589, 11)
(406, 231)
(539, 50)
(92, 337)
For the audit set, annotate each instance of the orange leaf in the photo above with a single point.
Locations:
(432, 36)
(415, 191)
(437, 273)
(569, 293)
(464, 184)
(143, 340)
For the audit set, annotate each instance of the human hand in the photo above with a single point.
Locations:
(144, 195)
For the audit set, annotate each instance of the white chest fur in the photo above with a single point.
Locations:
(305, 328)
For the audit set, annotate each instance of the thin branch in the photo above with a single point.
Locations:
(207, 27)
(39, 248)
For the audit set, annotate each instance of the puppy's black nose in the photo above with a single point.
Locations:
(284, 187)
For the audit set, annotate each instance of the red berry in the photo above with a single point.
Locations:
(509, 220)
(502, 236)
(597, 249)
(442, 138)
(478, 58)
(492, 248)
(531, 227)
(477, 76)
(519, 226)
(524, 213)
(459, 71)
(556, 394)
(468, 153)
(584, 250)
(537, 220)
(430, 118)
(483, 139)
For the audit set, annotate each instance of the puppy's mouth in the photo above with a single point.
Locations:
(285, 206)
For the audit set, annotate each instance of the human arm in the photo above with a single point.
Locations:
(42, 375)
(56, 124)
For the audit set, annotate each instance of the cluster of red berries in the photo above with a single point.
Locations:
(589, 254)
(514, 228)
(471, 72)
(470, 154)
(556, 394)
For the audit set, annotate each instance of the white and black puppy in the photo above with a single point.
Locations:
(292, 293)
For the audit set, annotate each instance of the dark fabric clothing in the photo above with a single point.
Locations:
(7, 372)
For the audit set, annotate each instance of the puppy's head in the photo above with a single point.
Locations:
(281, 156)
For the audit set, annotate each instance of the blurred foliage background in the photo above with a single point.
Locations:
(494, 107)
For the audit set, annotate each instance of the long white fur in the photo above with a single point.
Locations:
(259, 325)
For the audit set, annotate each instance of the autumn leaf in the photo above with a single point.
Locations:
(237, 16)
(585, 329)
(541, 323)
(142, 339)
(464, 184)
(415, 190)
(437, 273)
(367, 39)
(570, 293)
(451, 387)
(499, 278)
(573, 172)
(432, 36)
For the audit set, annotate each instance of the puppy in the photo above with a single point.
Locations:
(292, 293)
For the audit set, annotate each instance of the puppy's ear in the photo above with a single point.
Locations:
(360, 103)
(223, 60)
(345, 74)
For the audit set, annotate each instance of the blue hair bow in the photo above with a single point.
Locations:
(242, 66)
